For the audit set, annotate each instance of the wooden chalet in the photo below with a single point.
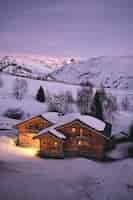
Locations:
(75, 135)
(31, 127)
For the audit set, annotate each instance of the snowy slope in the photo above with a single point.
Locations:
(113, 72)
(24, 66)
(32, 107)
(29, 104)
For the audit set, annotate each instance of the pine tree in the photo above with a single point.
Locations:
(96, 107)
(40, 95)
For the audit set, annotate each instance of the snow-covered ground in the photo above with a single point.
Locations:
(25, 176)
(33, 86)
(121, 119)
(29, 104)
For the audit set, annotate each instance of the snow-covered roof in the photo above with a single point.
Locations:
(52, 131)
(51, 116)
(88, 120)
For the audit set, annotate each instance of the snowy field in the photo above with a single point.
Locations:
(23, 176)
(31, 107)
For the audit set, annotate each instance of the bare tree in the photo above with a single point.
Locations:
(103, 105)
(84, 99)
(1, 81)
(20, 88)
(58, 103)
(109, 106)
(69, 96)
(125, 103)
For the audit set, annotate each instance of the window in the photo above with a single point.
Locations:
(33, 126)
(55, 144)
(73, 129)
(79, 142)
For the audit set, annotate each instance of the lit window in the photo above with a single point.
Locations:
(73, 130)
(79, 142)
(55, 143)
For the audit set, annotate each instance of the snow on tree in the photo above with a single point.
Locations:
(103, 105)
(84, 99)
(40, 95)
(58, 103)
(19, 88)
(69, 96)
(125, 103)
(1, 81)
(109, 104)
(86, 83)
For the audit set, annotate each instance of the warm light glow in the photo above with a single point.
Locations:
(73, 130)
(55, 143)
(79, 142)
(29, 151)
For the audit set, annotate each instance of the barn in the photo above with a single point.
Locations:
(75, 135)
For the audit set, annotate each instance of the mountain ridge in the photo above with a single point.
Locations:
(111, 71)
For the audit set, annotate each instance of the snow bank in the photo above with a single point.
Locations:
(121, 122)
(121, 151)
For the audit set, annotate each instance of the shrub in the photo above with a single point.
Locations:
(14, 113)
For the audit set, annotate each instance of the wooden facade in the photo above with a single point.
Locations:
(81, 140)
(30, 128)
(51, 146)
(75, 138)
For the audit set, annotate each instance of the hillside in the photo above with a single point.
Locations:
(30, 106)
(118, 80)
(112, 72)
(24, 67)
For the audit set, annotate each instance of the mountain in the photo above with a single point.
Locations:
(26, 66)
(112, 72)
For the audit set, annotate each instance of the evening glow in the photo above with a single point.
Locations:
(28, 151)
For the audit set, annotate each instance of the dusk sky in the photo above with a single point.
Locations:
(81, 28)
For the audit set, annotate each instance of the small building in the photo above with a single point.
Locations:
(31, 127)
(75, 135)
(51, 143)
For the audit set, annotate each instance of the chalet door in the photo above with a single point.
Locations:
(83, 147)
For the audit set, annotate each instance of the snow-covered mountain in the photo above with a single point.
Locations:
(38, 67)
(112, 72)
(24, 66)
